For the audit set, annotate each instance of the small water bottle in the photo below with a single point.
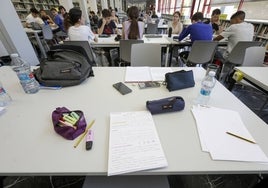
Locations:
(5, 99)
(207, 85)
(24, 73)
(169, 32)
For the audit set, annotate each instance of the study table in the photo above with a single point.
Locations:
(110, 42)
(30, 146)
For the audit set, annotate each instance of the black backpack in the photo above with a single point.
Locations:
(64, 67)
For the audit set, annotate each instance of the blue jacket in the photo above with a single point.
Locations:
(197, 31)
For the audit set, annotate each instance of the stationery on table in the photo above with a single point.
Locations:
(84, 134)
(133, 144)
(146, 74)
(223, 134)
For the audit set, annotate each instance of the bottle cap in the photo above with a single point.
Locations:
(14, 55)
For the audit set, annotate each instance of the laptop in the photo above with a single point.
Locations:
(36, 26)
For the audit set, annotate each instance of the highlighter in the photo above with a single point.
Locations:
(89, 140)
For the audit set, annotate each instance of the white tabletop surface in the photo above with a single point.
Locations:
(29, 144)
(257, 75)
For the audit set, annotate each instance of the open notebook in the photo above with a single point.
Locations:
(146, 74)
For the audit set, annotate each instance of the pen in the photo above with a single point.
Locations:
(84, 134)
(89, 140)
(237, 136)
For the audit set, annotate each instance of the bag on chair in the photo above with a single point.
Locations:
(64, 67)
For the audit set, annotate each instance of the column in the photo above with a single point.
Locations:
(13, 36)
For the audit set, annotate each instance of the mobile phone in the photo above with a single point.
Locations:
(122, 88)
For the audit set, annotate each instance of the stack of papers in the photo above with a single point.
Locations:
(133, 144)
(146, 74)
(215, 127)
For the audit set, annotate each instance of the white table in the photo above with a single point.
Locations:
(30, 146)
(256, 75)
(164, 41)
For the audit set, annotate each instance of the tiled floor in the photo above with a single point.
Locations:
(253, 98)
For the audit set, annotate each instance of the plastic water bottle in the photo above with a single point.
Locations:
(24, 73)
(5, 99)
(207, 85)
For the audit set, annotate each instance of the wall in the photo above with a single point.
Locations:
(256, 10)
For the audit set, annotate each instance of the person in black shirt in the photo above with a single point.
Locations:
(106, 25)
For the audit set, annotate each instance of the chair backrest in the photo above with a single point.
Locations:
(125, 49)
(202, 52)
(237, 55)
(254, 56)
(85, 44)
(151, 28)
(146, 54)
(47, 32)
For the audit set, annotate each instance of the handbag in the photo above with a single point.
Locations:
(170, 104)
(68, 124)
(179, 80)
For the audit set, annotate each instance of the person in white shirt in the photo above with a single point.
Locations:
(238, 31)
(33, 17)
(78, 31)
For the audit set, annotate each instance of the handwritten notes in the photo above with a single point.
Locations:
(133, 144)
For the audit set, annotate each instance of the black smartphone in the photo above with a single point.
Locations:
(122, 88)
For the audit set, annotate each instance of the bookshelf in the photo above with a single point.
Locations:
(23, 6)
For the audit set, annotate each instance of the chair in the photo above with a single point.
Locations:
(236, 57)
(125, 50)
(202, 52)
(146, 55)
(91, 56)
(254, 56)
(151, 28)
(48, 36)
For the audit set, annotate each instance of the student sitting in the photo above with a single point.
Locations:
(75, 28)
(132, 28)
(57, 19)
(239, 30)
(106, 25)
(176, 24)
(46, 18)
(198, 30)
(33, 17)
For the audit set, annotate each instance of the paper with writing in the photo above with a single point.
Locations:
(133, 144)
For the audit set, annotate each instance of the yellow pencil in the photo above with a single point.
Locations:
(237, 136)
(84, 134)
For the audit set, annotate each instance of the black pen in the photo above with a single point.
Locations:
(89, 140)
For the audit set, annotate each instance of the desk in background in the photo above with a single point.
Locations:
(110, 42)
(30, 146)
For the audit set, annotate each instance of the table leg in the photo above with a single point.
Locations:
(43, 52)
(166, 61)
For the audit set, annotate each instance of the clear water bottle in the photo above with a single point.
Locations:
(207, 85)
(24, 73)
(5, 99)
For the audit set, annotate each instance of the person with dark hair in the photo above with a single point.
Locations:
(198, 30)
(77, 31)
(46, 18)
(176, 24)
(33, 17)
(215, 21)
(62, 12)
(239, 30)
(57, 19)
(132, 28)
(106, 25)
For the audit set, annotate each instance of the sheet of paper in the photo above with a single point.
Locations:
(158, 73)
(134, 144)
(213, 123)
